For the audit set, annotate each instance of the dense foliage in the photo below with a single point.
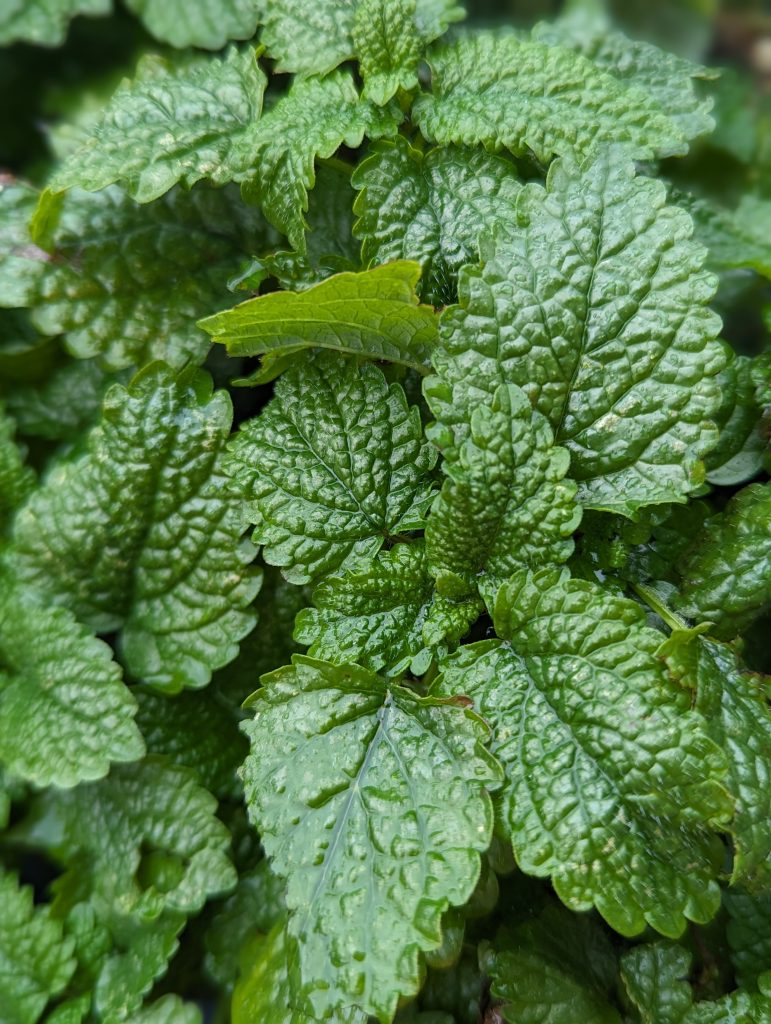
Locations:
(385, 521)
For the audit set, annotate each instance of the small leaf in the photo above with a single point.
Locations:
(388, 45)
(44, 22)
(208, 23)
(373, 314)
(738, 456)
(334, 750)
(749, 936)
(333, 465)
(655, 976)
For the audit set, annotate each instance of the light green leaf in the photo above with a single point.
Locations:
(126, 282)
(16, 479)
(334, 749)
(655, 976)
(748, 931)
(64, 711)
(736, 239)
(314, 39)
(35, 960)
(175, 122)
(505, 503)
(388, 45)
(206, 23)
(311, 121)
(612, 784)
(557, 967)
(385, 616)
(44, 22)
(597, 308)
(432, 208)
(504, 91)
(668, 80)
(735, 1008)
(373, 314)
(264, 985)
(735, 708)
(727, 569)
(333, 466)
(168, 1009)
(738, 456)
(140, 534)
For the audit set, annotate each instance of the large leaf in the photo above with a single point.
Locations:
(141, 535)
(432, 208)
(386, 616)
(373, 314)
(597, 308)
(44, 22)
(35, 960)
(316, 38)
(206, 23)
(312, 120)
(64, 711)
(333, 466)
(504, 91)
(727, 569)
(735, 707)
(612, 784)
(505, 503)
(175, 122)
(371, 802)
(126, 282)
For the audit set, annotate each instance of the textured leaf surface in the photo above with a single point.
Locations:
(64, 711)
(738, 456)
(312, 120)
(597, 309)
(727, 570)
(386, 616)
(44, 22)
(748, 931)
(557, 968)
(127, 282)
(611, 783)
(655, 976)
(35, 960)
(734, 705)
(16, 479)
(62, 405)
(207, 23)
(505, 503)
(316, 38)
(141, 535)
(18, 254)
(505, 91)
(333, 750)
(332, 466)
(736, 239)
(388, 45)
(373, 314)
(175, 122)
(432, 208)
(168, 1009)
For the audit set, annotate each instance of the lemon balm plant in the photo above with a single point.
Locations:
(429, 688)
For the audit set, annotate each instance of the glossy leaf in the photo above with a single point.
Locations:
(388, 45)
(748, 931)
(16, 479)
(738, 456)
(331, 747)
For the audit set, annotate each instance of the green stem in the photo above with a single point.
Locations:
(652, 599)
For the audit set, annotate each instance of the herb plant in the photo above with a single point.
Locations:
(429, 687)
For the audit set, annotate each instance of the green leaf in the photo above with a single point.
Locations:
(507, 92)
(432, 208)
(373, 314)
(16, 479)
(386, 616)
(655, 977)
(209, 24)
(597, 308)
(35, 960)
(388, 45)
(726, 579)
(126, 282)
(64, 711)
(505, 503)
(556, 967)
(21, 261)
(44, 22)
(140, 534)
(311, 121)
(61, 406)
(611, 783)
(737, 239)
(738, 456)
(734, 705)
(669, 81)
(168, 1009)
(748, 931)
(264, 985)
(335, 750)
(315, 39)
(177, 121)
(333, 466)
